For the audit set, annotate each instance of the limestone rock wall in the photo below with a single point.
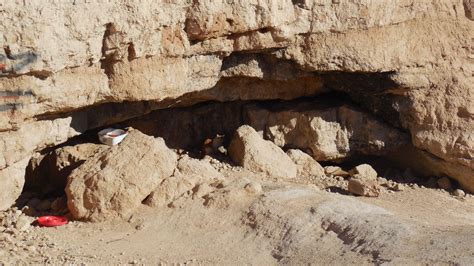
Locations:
(62, 60)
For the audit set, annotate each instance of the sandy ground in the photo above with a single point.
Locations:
(194, 232)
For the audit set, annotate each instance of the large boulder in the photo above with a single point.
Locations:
(250, 150)
(327, 132)
(114, 182)
(365, 170)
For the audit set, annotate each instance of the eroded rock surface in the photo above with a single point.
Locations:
(305, 164)
(302, 222)
(249, 150)
(328, 133)
(408, 63)
(48, 173)
(190, 174)
(114, 182)
(363, 186)
(304, 225)
(12, 180)
(363, 181)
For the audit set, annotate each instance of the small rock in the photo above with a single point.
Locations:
(306, 165)
(335, 171)
(361, 186)
(7, 220)
(29, 211)
(211, 146)
(23, 223)
(364, 170)
(12, 231)
(140, 226)
(459, 193)
(444, 183)
(398, 187)
(6, 238)
(17, 213)
(207, 147)
(253, 187)
(222, 150)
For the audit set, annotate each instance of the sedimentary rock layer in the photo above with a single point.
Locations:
(60, 58)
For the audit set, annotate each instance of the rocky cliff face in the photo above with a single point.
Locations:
(70, 66)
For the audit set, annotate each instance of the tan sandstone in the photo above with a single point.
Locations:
(114, 182)
(64, 59)
(190, 174)
(249, 150)
(305, 164)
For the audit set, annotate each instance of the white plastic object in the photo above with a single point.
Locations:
(112, 136)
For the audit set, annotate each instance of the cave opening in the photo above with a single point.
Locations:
(331, 127)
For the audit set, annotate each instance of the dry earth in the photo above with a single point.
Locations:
(425, 226)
